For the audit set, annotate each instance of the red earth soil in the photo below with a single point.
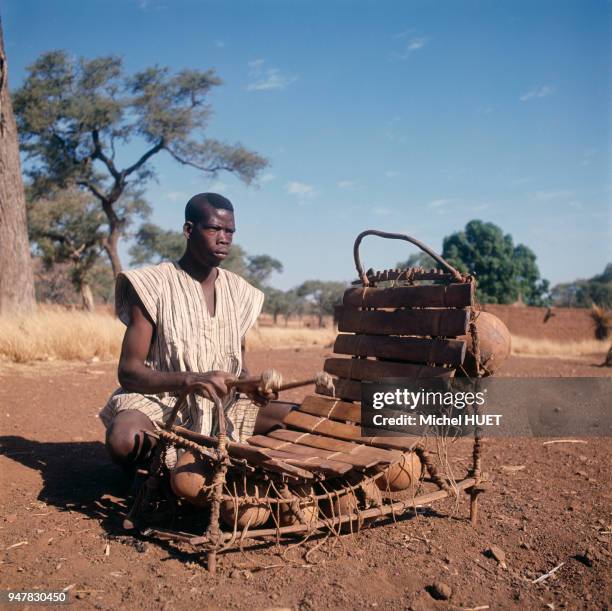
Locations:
(63, 501)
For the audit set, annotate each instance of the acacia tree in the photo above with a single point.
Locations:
(322, 296)
(17, 278)
(261, 267)
(283, 303)
(67, 226)
(74, 116)
(152, 244)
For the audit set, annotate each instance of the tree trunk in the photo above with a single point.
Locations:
(16, 276)
(110, 246)
(87, 297)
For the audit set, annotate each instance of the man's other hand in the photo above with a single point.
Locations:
(262, 397)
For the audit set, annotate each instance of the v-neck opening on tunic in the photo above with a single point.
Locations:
(217, 301)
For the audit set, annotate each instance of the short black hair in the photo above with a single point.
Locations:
(195, 210)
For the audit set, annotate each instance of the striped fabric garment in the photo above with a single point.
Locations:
(188, 338)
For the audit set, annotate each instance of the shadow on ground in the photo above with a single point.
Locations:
(77, 476)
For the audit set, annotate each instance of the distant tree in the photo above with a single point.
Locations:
(294, 305)
(67, 227)
(503, 271)
(16, 277)
(53, 284)
(73, 115)
(584, 293)
(322, 296)
(261, 267)
(152, 244)
(275, 303)
(283, 303)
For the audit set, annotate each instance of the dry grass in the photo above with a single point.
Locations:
(270, 338)
(527, 346)
(54, 333)
(60, 334)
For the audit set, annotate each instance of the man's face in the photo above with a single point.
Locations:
(209, 240)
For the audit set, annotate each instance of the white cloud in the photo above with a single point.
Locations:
(300, 189)
(347, 184)
(175, 196)
(219, 44)
(417, 43)
(412, 45)
(537, 92)
(266, 79)
(547, 196)
(391, 173)
(382, 211)
(267, 177)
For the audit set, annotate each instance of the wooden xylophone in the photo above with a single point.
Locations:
(320, 470)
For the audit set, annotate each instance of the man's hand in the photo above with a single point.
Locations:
(211, 385)
(261, 397)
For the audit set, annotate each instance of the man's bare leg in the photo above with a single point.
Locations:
(125, 441)
(271, 416)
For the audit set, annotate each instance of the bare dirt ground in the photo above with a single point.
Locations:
(62, 505)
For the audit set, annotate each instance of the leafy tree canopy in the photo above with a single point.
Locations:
(322, 295)
(152, 244)
(261, 267)
(504, 272)
(66, 227)
(77, 116)
(283, 303)
(584, 293)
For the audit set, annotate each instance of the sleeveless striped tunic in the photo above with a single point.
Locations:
(188, 338)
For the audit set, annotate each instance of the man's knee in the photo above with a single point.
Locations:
(125, 439)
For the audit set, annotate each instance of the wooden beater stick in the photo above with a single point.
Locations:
(250, 384)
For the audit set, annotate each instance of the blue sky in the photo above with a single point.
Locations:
(408, 116)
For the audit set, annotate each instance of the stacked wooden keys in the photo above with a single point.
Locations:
(399, 332)
(402, 331)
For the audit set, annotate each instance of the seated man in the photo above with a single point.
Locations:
(186, 323)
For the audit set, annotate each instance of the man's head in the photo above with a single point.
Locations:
(209, 228)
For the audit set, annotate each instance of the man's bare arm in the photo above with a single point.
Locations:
(135, 376)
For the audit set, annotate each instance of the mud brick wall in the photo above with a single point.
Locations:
(566, 324)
